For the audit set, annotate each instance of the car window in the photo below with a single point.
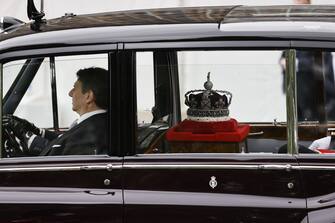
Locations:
(145, 83)
(56, 106)
(244, 112)
(315, 101)
(253, 77)
(12, 69)
(37, 98)
(66, 66)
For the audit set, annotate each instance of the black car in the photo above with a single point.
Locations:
(215, 114)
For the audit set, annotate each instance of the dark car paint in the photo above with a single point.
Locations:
(177, 187)
(319, 184)
(47, 190)
(160, 188)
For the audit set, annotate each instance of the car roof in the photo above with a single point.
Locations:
(285, 21)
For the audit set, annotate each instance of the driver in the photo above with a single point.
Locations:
(88, 135)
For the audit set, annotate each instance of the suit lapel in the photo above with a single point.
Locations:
(57, 143)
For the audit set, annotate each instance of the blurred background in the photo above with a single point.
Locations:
(53, 9)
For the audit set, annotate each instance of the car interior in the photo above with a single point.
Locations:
(163, 79)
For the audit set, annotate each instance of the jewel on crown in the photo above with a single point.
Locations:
(208, 104)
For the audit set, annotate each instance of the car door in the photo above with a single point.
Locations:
(81, 189)
(317, 169)
(318, 181)
(212, 189)
(202, 181)
(66, 188)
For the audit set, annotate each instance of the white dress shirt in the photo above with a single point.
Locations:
(89, 114)
(322, 143)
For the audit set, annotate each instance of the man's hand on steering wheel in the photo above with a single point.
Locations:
(19, 126)
(21, 129)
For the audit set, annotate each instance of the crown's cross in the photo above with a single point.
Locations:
(208, 85)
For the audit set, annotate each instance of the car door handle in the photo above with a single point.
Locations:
(287, 167)
(108, 167)
(99, 192)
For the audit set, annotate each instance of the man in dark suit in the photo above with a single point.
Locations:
(308, 75)
(89, 134)
(313, 66)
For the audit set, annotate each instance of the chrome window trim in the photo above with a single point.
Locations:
(242, 44)
(291, 102)
(72, 50)
(75, 159)
(189, 166)
(111, 167)
(286, 167)
(107, 167)
(313, 44)
(317, 168)
(1, 89)
(208, 44)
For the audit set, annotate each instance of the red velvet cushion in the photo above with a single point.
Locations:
(238, 135)
(206, 127)
(325, 151)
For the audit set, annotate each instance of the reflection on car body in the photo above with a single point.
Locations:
(236, 151)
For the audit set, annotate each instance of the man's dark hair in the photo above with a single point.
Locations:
(95, 79)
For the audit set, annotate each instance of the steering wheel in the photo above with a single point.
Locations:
(12, 145)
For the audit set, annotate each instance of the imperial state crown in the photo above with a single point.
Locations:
(208, 127)
(208, 104)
